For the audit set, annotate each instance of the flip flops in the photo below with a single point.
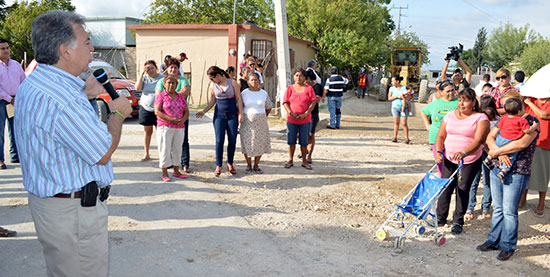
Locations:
(289, 164)
(165, 179)
(182, 176)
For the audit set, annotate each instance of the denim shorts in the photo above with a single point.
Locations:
(292, 131)
(396, 111)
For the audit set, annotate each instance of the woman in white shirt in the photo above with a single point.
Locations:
(254, 129)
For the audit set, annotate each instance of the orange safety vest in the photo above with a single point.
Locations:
(363, 80)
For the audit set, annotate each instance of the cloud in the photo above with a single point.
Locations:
(102, 8)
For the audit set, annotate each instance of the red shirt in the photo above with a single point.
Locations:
(512, 127)
(497, 94)
(299, 103)
(544, 135)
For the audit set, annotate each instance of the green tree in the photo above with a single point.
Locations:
(410, 39)
(477, 57)
(535, 56)
(346, 32)
(507, 43)
(16, 26)
(209, 12)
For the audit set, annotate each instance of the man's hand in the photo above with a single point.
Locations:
(122, 105)
(12, 100)
(93, 88)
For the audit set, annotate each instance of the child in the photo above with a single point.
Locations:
(407, 99)
(512, 127)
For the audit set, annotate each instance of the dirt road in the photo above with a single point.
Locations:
(285, 222)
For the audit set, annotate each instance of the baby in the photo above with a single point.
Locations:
(407, 99)
(512, 127)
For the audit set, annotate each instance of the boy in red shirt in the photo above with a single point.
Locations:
(512, 127)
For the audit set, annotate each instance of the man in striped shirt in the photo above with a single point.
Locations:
(334, 89)
(63, 147)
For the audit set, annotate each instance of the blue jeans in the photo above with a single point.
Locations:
(3, 117)
(223, 123)
(486, 200)
(500, 141)
(504, 225)
(185, 147)
(334, 105)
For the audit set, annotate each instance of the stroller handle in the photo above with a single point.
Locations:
(461, 160)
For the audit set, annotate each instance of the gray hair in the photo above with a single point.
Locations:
(50, 30)
(311, 63)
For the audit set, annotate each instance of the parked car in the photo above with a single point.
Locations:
(121, 84)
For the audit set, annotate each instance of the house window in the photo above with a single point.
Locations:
(261, 48)
(264, 51)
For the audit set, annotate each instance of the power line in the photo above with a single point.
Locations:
(482, 11)
(400, 15)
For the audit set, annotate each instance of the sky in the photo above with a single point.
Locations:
(439, 23)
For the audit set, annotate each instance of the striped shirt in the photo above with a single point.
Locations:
(59, 137)
(336, 85)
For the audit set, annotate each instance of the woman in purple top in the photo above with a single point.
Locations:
(226, 95)
(171, 110)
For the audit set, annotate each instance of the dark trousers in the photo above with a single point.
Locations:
(462, 188)
(3, 119)
(222, 124)
(185, 147)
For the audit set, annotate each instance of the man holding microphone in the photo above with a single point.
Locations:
(64, 150)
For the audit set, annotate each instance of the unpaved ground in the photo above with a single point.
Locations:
(286, 222)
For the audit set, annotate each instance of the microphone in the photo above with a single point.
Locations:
(101, 76)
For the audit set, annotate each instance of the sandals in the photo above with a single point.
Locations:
(394, 140)
(469, 215)
(258, 170)
(165, 179)
(7, 233)
(486, 214)
(538, 213)
(186, 169)
(145, 159)
(181, 176)
(218, 171)
(289, 164)
(307, 166)
(248, 170)
(231, 169)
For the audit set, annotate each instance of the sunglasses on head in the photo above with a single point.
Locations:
(503, 77)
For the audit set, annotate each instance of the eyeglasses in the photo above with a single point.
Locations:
(503, 77)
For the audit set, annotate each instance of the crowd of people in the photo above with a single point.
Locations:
(496, 134)
(500, 137)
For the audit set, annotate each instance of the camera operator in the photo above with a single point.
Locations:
(458, 80)
(65, 151)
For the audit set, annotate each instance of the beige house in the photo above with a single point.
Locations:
(215, 44)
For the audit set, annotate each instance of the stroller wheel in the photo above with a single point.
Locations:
(381, 234)
(440, 240)
(420, 230)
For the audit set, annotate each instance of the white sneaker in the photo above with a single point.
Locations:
(410, 114)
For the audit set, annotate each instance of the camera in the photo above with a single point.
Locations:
(454, 52)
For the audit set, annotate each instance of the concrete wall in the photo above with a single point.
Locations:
(302, 54)
(204, 48)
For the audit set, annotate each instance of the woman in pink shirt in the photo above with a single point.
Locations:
(299, 101)
(460, 136)
(171, 110)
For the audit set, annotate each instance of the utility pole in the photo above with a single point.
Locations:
(283, 55)
(234, 10)
(399, 19)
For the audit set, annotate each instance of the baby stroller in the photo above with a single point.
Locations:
(420, 203)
